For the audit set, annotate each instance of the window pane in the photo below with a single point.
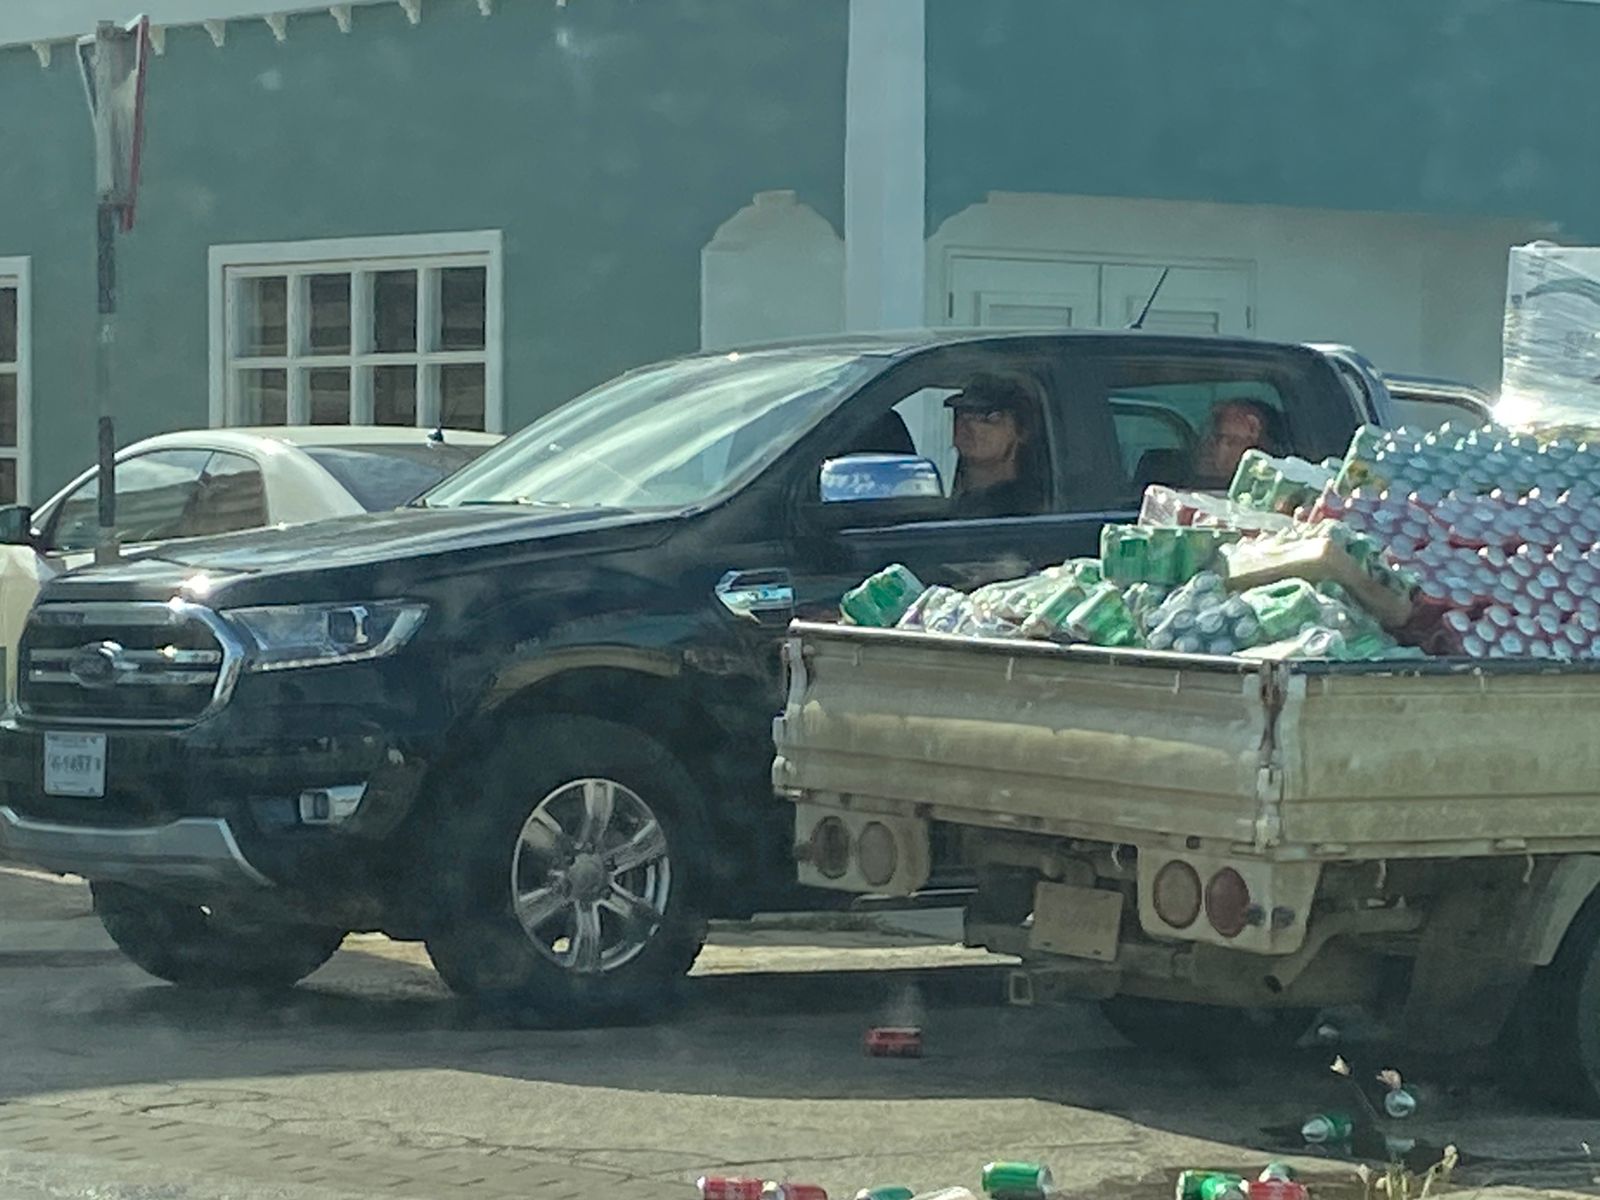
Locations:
(153, 493)
(8, 410)
(330, 396)
(394, 311)
(461, 396)
(330, 313)
(263, 318)
(8, 481)
(394, 395)
(461, 308)
(264, 397)
(384, 477)
(232, 496)
(8, 324)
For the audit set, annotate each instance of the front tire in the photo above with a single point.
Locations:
(568, 873)
(191, 946)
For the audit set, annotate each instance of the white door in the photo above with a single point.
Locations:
(1191, 300)
(1067, 294)
(1013, 293)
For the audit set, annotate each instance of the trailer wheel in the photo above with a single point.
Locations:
(1203, 1029)
(1558, 1022)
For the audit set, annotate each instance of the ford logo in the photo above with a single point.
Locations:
(97, 664)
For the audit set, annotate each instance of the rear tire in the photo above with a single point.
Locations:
(1203, 1029)
(569, 872)
(191, 947)
(1557, 1024)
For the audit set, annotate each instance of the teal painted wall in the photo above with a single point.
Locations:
(608, 139)
(1481, 107)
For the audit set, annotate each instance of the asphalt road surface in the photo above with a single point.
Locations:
(371, 1080)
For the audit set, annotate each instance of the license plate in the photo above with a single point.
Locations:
(75, 764)
(1080, 921)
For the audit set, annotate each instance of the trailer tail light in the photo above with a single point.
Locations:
(1176, 894)
(876, 854)
(830, 847)
(1228, 902)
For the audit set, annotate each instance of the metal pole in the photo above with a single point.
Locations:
(107, 215)
(106, 548)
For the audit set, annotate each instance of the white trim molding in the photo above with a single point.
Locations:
(289, 268)
(885, 164)
(18, 273)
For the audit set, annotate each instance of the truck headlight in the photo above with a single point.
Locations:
(279, 637)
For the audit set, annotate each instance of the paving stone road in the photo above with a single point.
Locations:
(370, 1080)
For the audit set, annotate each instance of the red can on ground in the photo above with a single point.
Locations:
(1276, 1189)
(730, 1187)
(894, 1041)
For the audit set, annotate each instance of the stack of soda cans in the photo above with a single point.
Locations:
(1501, 533)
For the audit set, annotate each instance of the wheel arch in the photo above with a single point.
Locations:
(1572, 884)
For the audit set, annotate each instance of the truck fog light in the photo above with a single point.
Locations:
(876, 853)
(330, 805)
(830, 847)
(1228, 902)
(1176, 894)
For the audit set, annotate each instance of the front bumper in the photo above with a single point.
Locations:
(218, 803)
(192, 852)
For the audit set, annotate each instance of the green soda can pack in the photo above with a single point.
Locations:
(1284, 608)
(1124, 553)
(1207, 1185)
(1049, 619)
(1017, 1180)
(882, 599)
(1103, 619)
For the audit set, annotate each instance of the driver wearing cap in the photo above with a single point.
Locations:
(998, 468)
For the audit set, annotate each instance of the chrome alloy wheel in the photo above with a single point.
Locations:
(590, 876)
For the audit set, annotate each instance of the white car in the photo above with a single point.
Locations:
(210, 481)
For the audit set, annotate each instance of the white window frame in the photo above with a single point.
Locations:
(18, 273)
(425, 251)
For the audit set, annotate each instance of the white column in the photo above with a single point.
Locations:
(885, 110)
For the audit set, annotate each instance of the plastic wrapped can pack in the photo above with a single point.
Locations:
(1103, 619)
(882, 598)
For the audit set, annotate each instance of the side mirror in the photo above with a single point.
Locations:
(858, 477)
(16, 525)
(880, 488)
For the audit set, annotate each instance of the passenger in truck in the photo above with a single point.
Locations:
(1237, 425)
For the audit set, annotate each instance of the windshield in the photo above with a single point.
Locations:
(665, 437)
(385, 477)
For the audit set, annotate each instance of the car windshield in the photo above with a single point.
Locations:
(383, 477)
(669, 436)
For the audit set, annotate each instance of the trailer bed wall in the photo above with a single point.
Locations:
(1025, 735)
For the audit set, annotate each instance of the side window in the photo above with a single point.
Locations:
(932, 429)
(1429, 412)
(1191, 431)
(154, 493)
(232, 496)
(981, 420)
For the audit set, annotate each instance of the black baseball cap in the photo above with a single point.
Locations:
(989, 393)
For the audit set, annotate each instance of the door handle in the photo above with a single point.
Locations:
(764, 596)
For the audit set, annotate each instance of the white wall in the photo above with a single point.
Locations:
(775, 269)
(1416, 294)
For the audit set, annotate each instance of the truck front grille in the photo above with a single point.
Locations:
(125, 663)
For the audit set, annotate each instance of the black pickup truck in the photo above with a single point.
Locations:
(527, 718)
